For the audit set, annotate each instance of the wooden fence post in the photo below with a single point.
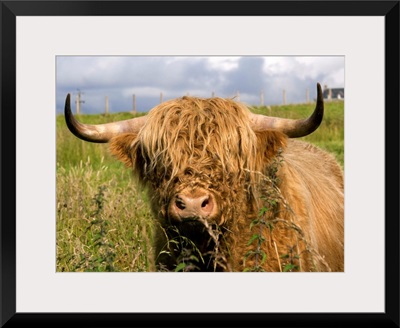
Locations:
(78, 104)
(134, 104)
(261, 98)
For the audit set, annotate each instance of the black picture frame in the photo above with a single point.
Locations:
(11, 9)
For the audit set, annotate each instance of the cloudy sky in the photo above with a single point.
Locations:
(146, 77)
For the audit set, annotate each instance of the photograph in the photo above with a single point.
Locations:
(237, 164)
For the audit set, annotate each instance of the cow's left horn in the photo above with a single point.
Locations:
(100, 132)
(292, 128)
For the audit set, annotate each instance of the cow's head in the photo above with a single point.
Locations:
(198, 156)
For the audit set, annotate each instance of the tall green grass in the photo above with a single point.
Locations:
(103, 219)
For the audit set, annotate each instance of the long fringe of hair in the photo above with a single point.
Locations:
(200, 142)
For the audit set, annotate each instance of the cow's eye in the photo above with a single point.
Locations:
(188, 171)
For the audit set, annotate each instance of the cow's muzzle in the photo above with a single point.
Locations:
(192, 205)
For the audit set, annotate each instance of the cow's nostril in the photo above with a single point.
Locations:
(180, 204)
(205, 203)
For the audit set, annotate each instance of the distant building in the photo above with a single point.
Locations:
(333, 93)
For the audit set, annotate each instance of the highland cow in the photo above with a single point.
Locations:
(231, 190)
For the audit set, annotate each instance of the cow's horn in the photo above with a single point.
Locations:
(100, 132)
(292, 128)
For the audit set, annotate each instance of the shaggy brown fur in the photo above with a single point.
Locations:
(193, 143)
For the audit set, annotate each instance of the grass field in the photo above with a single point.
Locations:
(103, 220)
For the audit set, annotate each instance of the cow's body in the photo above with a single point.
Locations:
(229, 195)
(314, 194)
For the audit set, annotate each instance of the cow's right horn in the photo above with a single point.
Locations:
(292, 128)
(100, 132)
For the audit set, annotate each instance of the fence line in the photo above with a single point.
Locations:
(236, 97)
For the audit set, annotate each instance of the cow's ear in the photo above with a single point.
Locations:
(269, 143)
(122, 147)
